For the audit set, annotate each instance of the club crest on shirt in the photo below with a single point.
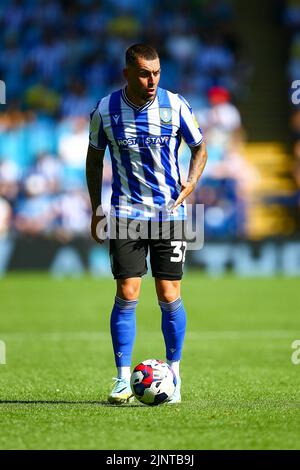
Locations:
(165, 115)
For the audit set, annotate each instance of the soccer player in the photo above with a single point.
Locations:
(142, 125)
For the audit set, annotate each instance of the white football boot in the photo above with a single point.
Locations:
(176, 397)
(121, 392)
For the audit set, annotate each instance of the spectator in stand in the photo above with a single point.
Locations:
(35, 214)
(5, 219)
(72, 211)
(291, 20)
(225, 138)
(10, 179)
(292, 15)
(60, 58)
(76, 103)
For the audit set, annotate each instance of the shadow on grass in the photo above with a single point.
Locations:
(69, 402)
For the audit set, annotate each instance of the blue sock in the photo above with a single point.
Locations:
(122, 328)
(173, 326)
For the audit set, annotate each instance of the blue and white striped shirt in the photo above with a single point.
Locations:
(143, 143)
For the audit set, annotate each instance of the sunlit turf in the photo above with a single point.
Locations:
(240, 389)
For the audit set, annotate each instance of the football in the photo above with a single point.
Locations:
(153, 382)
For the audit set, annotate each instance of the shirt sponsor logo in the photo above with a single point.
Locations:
(144, 142)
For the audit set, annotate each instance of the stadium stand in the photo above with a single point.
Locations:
(291, 22)
(59, 58)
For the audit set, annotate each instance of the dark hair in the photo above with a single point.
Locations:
(140, 50)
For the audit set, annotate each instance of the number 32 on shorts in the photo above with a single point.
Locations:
(179, 249)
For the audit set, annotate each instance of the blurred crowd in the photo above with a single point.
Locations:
(291, 18)
(59, 58)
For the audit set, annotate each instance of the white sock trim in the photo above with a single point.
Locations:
(175, 367)
(124, 372)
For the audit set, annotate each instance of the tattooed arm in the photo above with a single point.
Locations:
(94, 173)
(197, 164)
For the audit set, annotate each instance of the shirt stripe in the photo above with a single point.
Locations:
(169, 154)
(153, 172)
(128, 181)
(143, 143)
(137, 167)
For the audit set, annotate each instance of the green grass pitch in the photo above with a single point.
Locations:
(240, 389)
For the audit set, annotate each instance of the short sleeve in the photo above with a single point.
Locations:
(97, 137)
(189, 127)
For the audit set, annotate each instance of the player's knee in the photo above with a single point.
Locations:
(167, 291)
(128, 290)
(168, 296)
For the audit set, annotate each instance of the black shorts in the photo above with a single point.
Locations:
(131, 240)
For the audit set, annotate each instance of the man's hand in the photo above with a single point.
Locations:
(186, 189)
(99, 227)
(197, 164)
